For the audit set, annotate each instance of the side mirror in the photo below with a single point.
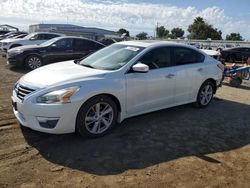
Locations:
(140, 67)
(32, 38)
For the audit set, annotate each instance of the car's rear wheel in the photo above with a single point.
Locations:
(96, 117)
(33, 62)
(205, 94)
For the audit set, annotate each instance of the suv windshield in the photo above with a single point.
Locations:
(112, 57)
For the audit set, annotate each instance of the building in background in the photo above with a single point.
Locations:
(74, 30)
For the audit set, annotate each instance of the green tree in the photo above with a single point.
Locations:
(162, 32)
(176, 33)
(122, 30)
(142, 36)
(234, 36)
(200, 29)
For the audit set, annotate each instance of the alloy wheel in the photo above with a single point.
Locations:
(34, 62)
(99, 118)
(206, 94)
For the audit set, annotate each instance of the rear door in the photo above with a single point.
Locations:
(154, 89)
(190, 73)
(84, 47)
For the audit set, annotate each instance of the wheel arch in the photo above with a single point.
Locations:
(113, 97)
(15, 45)
(30, 55)
(213, 81)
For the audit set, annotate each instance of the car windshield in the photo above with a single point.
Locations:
(112, 57)
(29, 36)
(49, 42)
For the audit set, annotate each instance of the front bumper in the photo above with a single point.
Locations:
(17, 60)
(55, 118)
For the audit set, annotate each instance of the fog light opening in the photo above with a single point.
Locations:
(48, 123)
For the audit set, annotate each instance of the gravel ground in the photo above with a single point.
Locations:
(177, 147)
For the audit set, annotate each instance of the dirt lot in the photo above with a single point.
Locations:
(178, 147)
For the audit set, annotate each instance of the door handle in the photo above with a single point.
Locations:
(169, 76)
(200, 69)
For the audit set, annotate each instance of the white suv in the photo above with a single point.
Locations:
(33, 38)
(120, 81)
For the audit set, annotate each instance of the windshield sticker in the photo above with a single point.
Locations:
(132, 48)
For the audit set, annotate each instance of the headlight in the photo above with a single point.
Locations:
(15, 52)
(5, 43)
(58, 96)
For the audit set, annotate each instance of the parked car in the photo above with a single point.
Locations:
(213, 53)
(33, 38)
(19, 36)
(11, 34)
(239, 54)
(119, 81)
(54, 50)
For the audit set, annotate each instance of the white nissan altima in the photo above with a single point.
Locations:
(120, 81)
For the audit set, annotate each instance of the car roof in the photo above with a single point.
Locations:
(148, 43)
(47, 33)
(158, 43)
(75, 37)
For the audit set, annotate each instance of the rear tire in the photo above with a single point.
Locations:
(33, 62)
(96, 117)
(205, 94)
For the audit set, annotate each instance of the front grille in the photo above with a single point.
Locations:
(22, 91)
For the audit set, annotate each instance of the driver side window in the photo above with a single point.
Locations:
(157, 58)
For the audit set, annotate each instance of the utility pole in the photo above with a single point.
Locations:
(155, 32)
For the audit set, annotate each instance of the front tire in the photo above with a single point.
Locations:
(33, 62)
(205, 94)
(96, 117)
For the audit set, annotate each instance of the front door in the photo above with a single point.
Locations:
(61, 50)
(154, 89)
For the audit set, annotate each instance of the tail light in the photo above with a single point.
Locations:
(221, 67)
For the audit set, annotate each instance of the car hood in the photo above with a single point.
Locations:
(27, 47)
(57, 73)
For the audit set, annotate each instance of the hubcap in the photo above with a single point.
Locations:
(99, 118)
(206, 94)
(34, 62)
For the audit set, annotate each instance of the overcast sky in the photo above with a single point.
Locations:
(134, 15)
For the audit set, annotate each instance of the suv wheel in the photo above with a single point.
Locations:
(205, 94)
(33, 62)
(96, 117)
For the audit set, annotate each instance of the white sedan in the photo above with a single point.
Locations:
(120, 81)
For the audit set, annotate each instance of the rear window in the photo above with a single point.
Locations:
(185, 56)
(86, 45)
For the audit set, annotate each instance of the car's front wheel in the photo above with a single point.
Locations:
(205, 94)
(33, 62)
(96, 117)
